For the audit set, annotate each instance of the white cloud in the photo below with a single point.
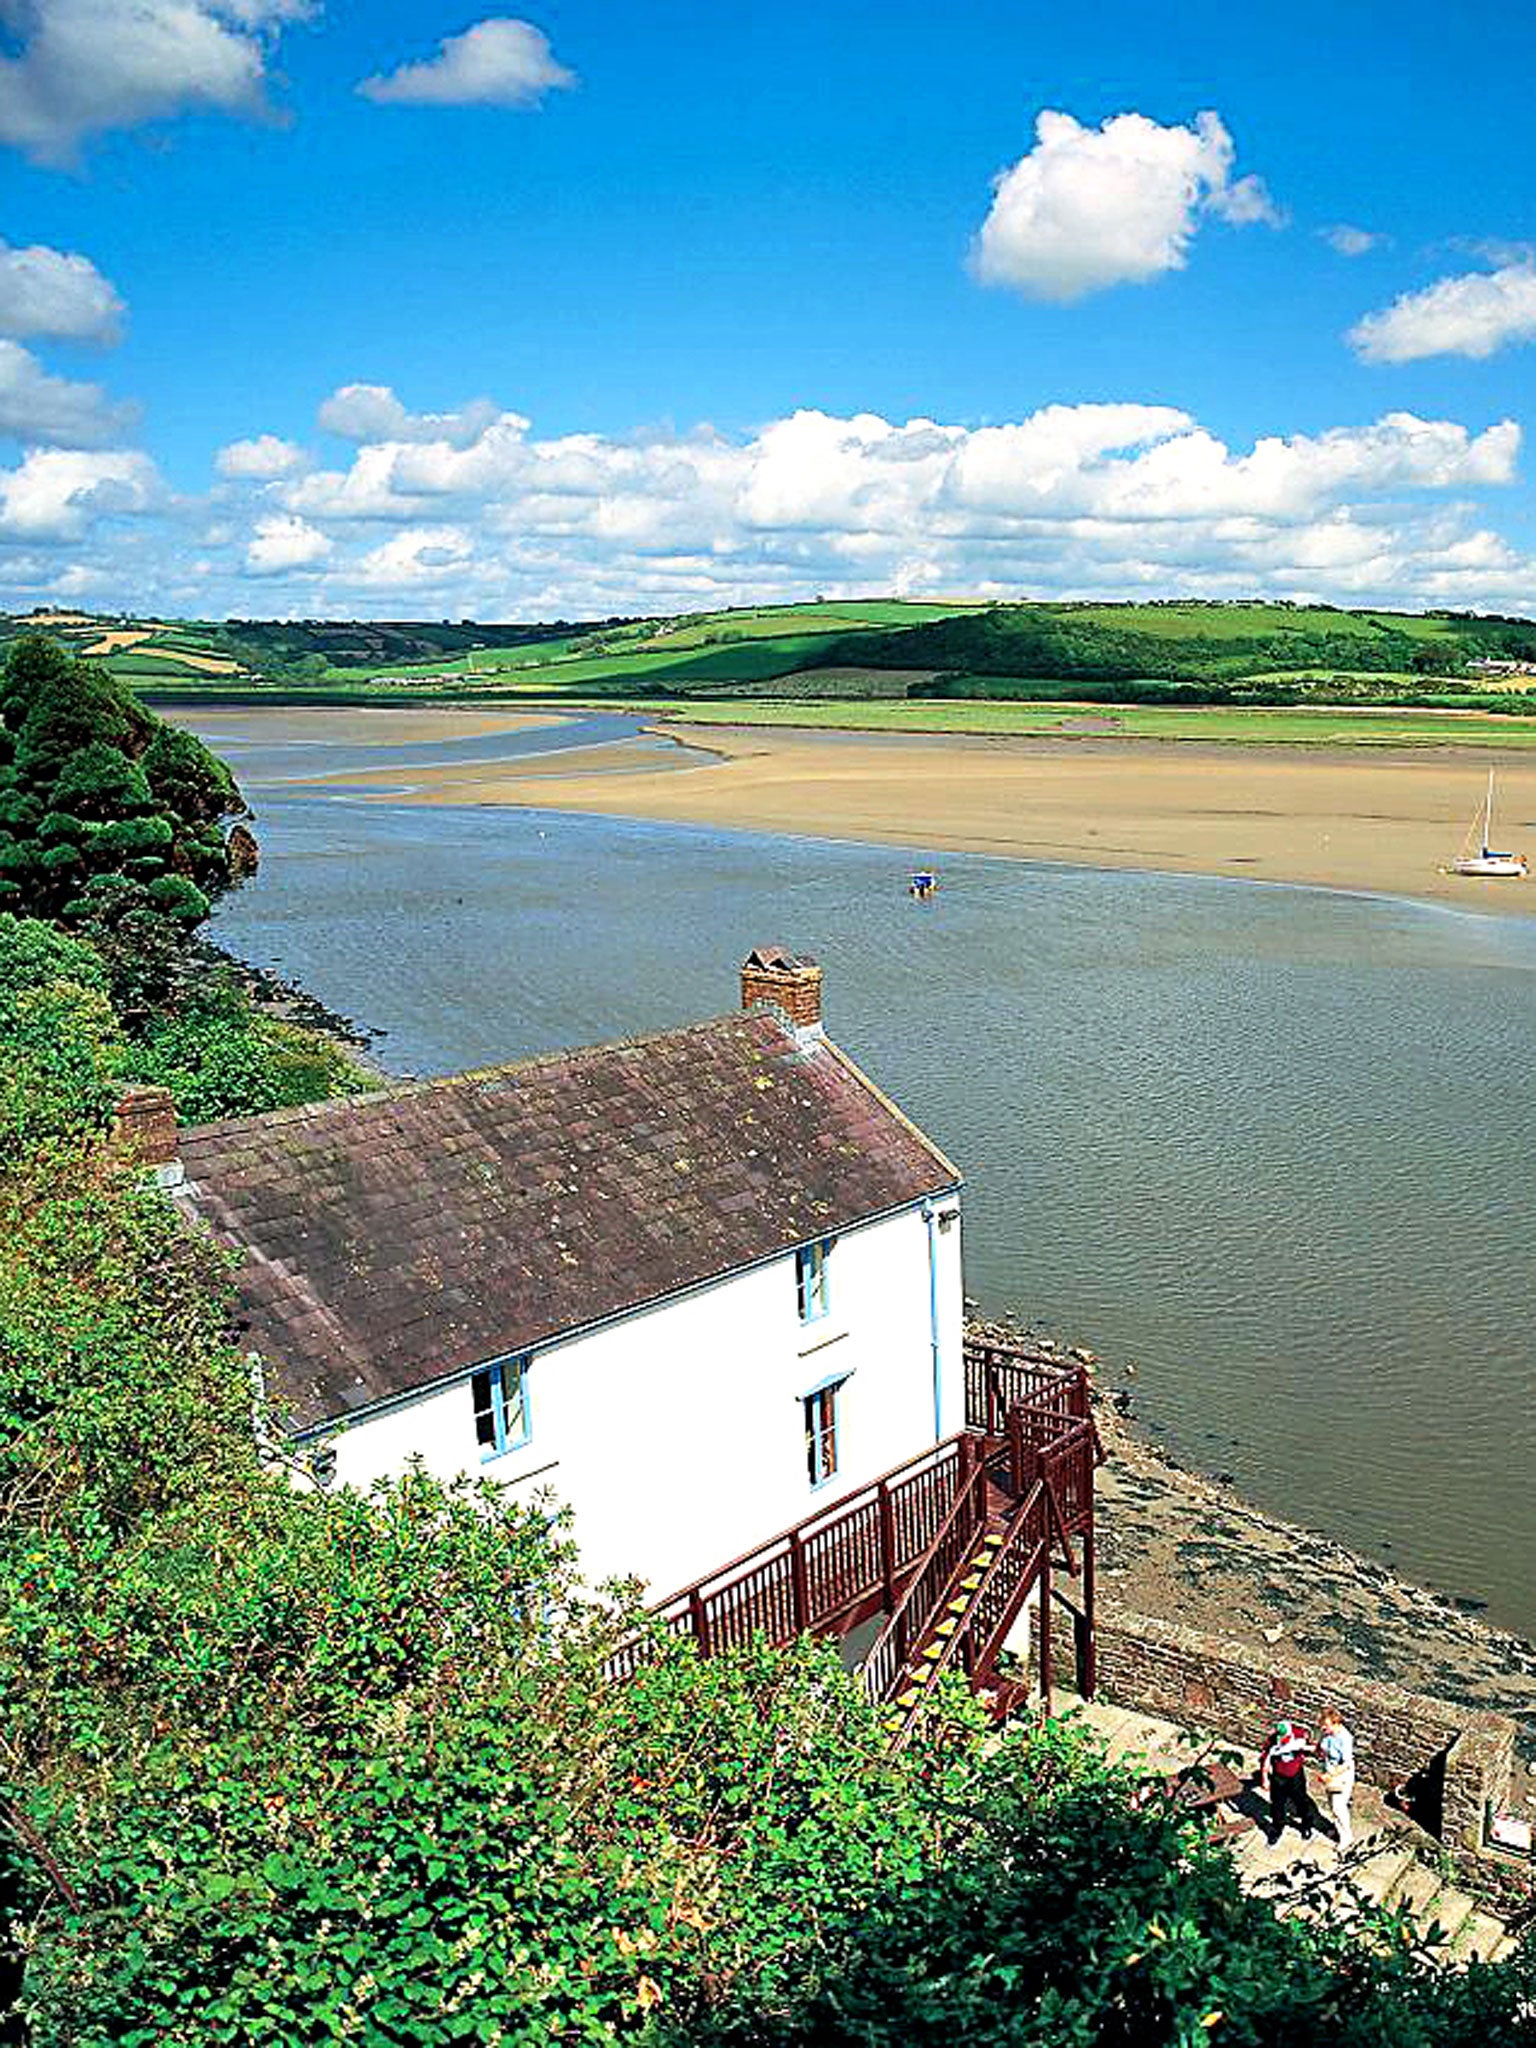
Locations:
(420, 555)
(55, 411)
(46, 292)
(58, 494)
(816, 473)
(1071, 500)
(282, 543)
(497, 63)
(372, 412)
(86, 66)
(262, 459)
(1092, 207)
(1345, 240)
(1474, 315)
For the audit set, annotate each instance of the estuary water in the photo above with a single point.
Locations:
(1274, 1147)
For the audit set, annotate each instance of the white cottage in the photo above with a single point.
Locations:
(696, 1284)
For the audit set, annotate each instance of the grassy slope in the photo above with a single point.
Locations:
(1282, 725)
(848, 663)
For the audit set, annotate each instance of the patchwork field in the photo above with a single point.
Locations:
(1307, 674)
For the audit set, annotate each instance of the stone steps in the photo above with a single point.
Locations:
(1384, 1867)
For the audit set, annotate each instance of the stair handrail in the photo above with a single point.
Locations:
(1018, 1522)
(899, 1619)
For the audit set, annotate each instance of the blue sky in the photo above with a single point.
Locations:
(620, 307)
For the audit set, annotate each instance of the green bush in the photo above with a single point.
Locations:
(95, 787)
(220, 1058)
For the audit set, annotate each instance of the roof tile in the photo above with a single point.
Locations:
(397, 1238)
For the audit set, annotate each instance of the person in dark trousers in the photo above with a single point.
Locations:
(1284, 1757)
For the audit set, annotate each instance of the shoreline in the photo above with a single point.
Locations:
(1384, 824)
(1181, 1546)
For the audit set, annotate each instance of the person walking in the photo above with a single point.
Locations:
(1284, 1758)
(1336, 1749)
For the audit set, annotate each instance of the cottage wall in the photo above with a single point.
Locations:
(677, 1434)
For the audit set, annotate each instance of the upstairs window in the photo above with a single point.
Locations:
(501, 1407)
(811, 1279)
(821, 1432)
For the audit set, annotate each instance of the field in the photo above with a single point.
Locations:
(1293, 726)
(1307, 674)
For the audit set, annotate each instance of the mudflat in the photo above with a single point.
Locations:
(1387, 822)
(355, 725)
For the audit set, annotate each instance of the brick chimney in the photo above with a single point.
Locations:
(144, 1129)
(773, 979)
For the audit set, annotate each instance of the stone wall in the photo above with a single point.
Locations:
(1454, 1761)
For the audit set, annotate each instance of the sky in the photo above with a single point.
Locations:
(328, 308)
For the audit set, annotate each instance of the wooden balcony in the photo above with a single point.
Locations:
(947, 1548)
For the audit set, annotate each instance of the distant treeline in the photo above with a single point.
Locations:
(1063, 644)
(300, 648)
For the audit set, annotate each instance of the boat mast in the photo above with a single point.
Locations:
(1488, 816)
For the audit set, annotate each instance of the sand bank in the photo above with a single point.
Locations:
(353, 725)
(1380, 822)
(465, 782)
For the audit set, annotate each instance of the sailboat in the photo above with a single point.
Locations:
(1486, 861)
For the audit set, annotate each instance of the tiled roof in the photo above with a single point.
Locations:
(396, 1238)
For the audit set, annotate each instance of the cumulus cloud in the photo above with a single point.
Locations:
(85, 66)
(282, 543)
(1092, 207)
(1473, 315)
(262, 459)
(46, 292)
(55, 412)
(497, 63)
(1345, 240)
(817, 473)
(372, 412)
(58, 494)
(1072, 500)
(420, 555)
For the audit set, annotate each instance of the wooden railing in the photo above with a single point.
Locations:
(815, 1575)
(999, 1376)
(897, 1545)
(914, 1612)
(1016, 1566)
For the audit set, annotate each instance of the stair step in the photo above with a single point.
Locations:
(1380, 1874)
(1481, 1935)
(1416, 1889)
(1452, 1910)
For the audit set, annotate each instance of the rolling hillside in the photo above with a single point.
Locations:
(848, 650)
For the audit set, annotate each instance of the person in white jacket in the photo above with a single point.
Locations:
(1336, 1753)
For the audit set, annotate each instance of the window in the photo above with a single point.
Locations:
(811, 1279)
(501, 1406)
(821, 1432)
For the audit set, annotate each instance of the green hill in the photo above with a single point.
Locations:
(1173, 652)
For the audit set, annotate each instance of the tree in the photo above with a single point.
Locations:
(94, 788)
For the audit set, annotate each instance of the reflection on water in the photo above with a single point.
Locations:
(1274, 1145)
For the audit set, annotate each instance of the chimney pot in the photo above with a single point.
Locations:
(773, 979)
(144, 1126)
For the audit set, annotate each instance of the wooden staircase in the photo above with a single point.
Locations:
(1012, 1519)
(917, 1677)
(945, 1549)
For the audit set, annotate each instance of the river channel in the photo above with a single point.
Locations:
(1271, 1147)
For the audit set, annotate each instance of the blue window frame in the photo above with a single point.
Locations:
(811, 1289)
(502, 1420)
(821, 1447)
